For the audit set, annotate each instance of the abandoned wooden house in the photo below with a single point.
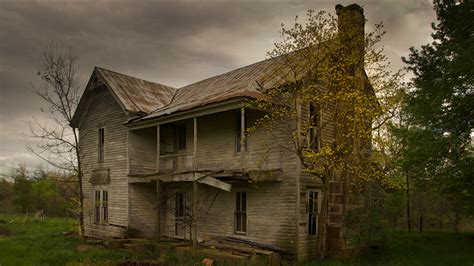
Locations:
(170, 162)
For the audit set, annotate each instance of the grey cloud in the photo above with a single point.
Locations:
(169, 43)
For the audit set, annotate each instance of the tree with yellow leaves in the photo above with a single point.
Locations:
(324, 87)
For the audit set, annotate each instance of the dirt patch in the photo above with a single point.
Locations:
(5, 232)
(82, 248)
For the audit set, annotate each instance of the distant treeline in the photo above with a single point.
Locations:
(41, 192)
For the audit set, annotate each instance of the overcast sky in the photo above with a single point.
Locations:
(169, 43)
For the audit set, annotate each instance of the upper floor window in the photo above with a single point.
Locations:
(181, 135)
(240, 214)
(313, 211)
(313, 139)
(101, 206)
(101, 144)
(238, 132)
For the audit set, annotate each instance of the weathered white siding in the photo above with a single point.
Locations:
(105, 112)
(142, 151)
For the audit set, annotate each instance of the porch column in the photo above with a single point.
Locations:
(243, 147)
(158, 208)
(195, 185)
(157, 148)
(158, 186)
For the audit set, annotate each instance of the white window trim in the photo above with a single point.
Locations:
(318, 213)
(183, 222)
(101, 219)
(246, 213)
(99, 159)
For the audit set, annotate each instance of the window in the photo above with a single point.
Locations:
(240, 215)
(313, 140)
(97, 207)
(101, 206)
(238, 132)
(105, 206)
(313, 211)
(181, 134)
(179, 215)
(101, 144)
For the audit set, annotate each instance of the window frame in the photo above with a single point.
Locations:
(240, 214)
(180, 214)
(181, 137)
(101, 206)
(101, 145)
(313, 210)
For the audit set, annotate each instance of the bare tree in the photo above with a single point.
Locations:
(57, 141)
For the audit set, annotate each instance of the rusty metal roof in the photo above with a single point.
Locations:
(241, 82)
(153, 100)
(135, 94)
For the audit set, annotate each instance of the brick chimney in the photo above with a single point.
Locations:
(351, 23)
(351, 34)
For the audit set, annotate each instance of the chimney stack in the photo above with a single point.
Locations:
(351, 23)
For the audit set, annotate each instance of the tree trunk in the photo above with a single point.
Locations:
(79, 179)
(322, 220)
(408, 205)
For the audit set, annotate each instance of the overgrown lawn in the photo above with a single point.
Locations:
(29, 241)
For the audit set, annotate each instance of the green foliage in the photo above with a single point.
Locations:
(435, 131)
(49, 192)
(41, 242)
(430, 248)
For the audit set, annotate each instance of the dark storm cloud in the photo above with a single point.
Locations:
(169, 43)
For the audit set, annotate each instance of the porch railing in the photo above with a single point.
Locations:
(176, 162)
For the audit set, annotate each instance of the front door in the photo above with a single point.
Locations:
(179, 225)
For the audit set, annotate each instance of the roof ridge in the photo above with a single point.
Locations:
(113, 71)
(224, 73)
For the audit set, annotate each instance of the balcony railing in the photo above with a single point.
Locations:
(176, 162)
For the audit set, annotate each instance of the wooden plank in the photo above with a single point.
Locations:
(213, 182)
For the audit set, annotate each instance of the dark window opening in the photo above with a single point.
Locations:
(312, 212)
(240, 215)
(97, 207)
(105, 205)
(181, 134)
(179, 227)
(101, 144)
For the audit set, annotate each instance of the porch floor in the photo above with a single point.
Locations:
(221, 251)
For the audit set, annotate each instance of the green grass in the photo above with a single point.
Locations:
(36, 242)
(428, 248)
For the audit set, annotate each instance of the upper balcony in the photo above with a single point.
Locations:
(205, 143)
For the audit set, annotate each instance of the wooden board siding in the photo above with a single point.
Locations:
(217, 141)
(143, 208)
(142, 151)
(269, 212)
(105, 112)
